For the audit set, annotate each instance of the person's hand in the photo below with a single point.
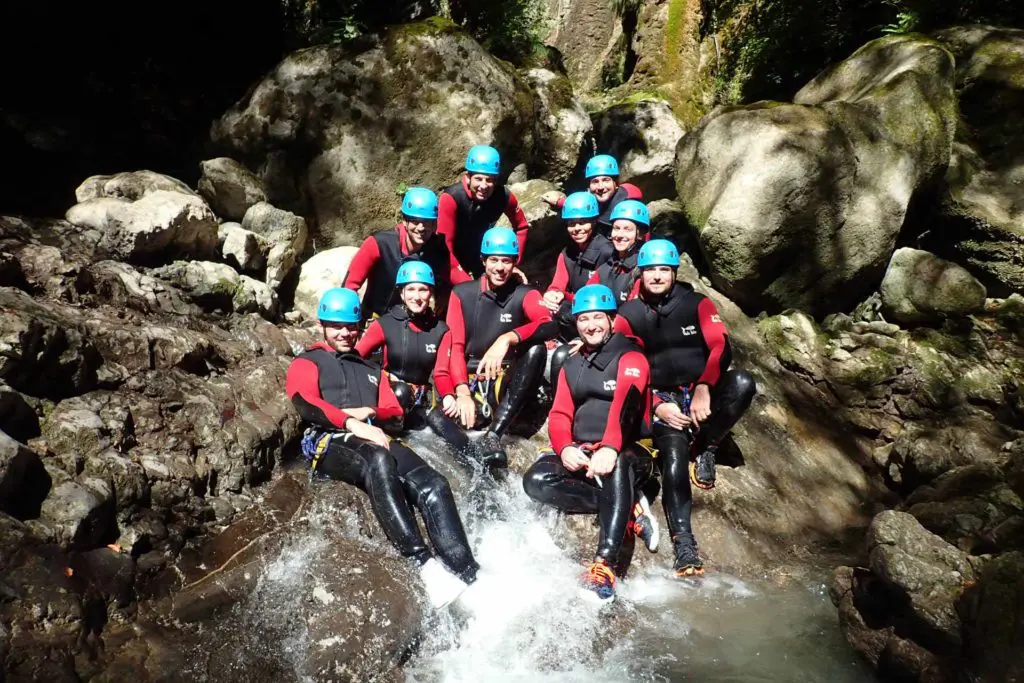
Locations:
(449, 406)
(517, 272)
(552, 198)
(490, 364)
(575, 345)
(362, 414)
(573, 458)
(672, 415)
(367, 432)
(552, 300)
(602, 462)
(700, 404)
(466, 410)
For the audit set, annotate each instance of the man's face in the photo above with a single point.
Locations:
(624, 235)
(657, 280)
(594, 327)
(580, 229)
(603, 187)
(498, 269)
(481, 186)
(341, 337)
(419, 230)
(416, 297)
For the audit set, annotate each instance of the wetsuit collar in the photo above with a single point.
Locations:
(609, 351)
(590, 253)
(422, 322)
(666, 304)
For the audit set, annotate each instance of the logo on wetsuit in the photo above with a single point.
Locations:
(609, 385)
(689, 330)
(373, 379)
(716, 318)
(632, 372)
(431, 348)
(506, 317)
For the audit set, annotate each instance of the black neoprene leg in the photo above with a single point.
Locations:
(729, 400)
(405, 395)
(450, 432)
(432, 495)
(521, 383)
(566, 323)
(547, 481)
(615, 502)
(558, 358)
(673, 447)
(376, 471)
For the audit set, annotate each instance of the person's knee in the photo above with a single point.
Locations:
(379, 459)
(431, 486)
(536, 482)
(743, 385)
(404, 394)
(558, 358)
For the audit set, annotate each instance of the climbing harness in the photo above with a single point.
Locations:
(315, 443)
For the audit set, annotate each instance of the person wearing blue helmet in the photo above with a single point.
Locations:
(698, 398)
(630, 226)
(499, 327)
(595, 465)
(416, 349)
(586, 251)
(414, 238)
(602, 176)
(340, 395)
(469, 207)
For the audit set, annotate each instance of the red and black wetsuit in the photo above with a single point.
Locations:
(622, 192)
(379, 258)
(686, 344)
(601, 398)
(575, 266)
(620, 275)
(416, 351)
(322, 384)
(463, 221)
(477, 316)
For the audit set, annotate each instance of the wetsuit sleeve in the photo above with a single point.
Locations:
(717, 339)
(561, 279)
(561, 416)
(371, 340)
(622, 326)
(539, 325)
(302, 384)
(595, 278)
(632, 191)
(457, 330)
(633, 372)
(517, 219)
(442, 374)
(561, 202)
(446, 212)
(388, 406)
(362, 263)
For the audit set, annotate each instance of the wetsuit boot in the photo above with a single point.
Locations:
(687, 560)
(729, 401)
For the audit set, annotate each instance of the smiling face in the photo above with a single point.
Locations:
(657, 280)
(416, 297)
(603, 187)
(418, 231)
(498, 269)
(341, 337)
(580, 229)
(594, 327)
(481, 186)
(624, 236)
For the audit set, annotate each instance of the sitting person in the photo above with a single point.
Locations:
(697, 398)
(340, 395)
(602, 176)
(586, 251)
(596, 465)
(630, 224)
(499, 327)
(414, 238)
(417, 346)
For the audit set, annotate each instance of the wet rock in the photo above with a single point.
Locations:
(562, 125)
(284, 235)
(119, 284)
(89, 424)
(17, 416)
(229, 187)
(325, 270)
(132, 185)
(218, 287)
(588, 35)
(643, 136)
(240, 248)
(920, 288)
(330, 146)
(82, 514)
(24, 483)
(800, 205)
(668, 219)
(924, 451)
(993, 610)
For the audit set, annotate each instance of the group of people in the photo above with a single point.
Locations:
(450, 336)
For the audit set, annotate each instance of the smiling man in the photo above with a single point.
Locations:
(602, 176)
(414, 238)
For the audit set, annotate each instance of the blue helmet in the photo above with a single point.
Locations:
(414, 272)
(419, 202)
(631, 210)
(339, 305)
(483, 159)
(499, 242)
(580, 205)
(602, 164)
(658, 253)
(594, 298)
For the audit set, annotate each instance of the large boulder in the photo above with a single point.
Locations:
(920, 287)
(24, 482)
(229, 187)
(643, 136)
(282, 236)
(131, 185)
(241, 248)
(994, 620)
(800, 205)
(546, 236)
(981, 221)
(325, 270)
(325, 118)
(217, 286)
(589, 36)
(563, 126)
(158, 225)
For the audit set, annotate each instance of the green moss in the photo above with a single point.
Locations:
(869, 367)
(431, 26)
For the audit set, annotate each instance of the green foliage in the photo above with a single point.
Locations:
(509, 29)
(905, 22)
